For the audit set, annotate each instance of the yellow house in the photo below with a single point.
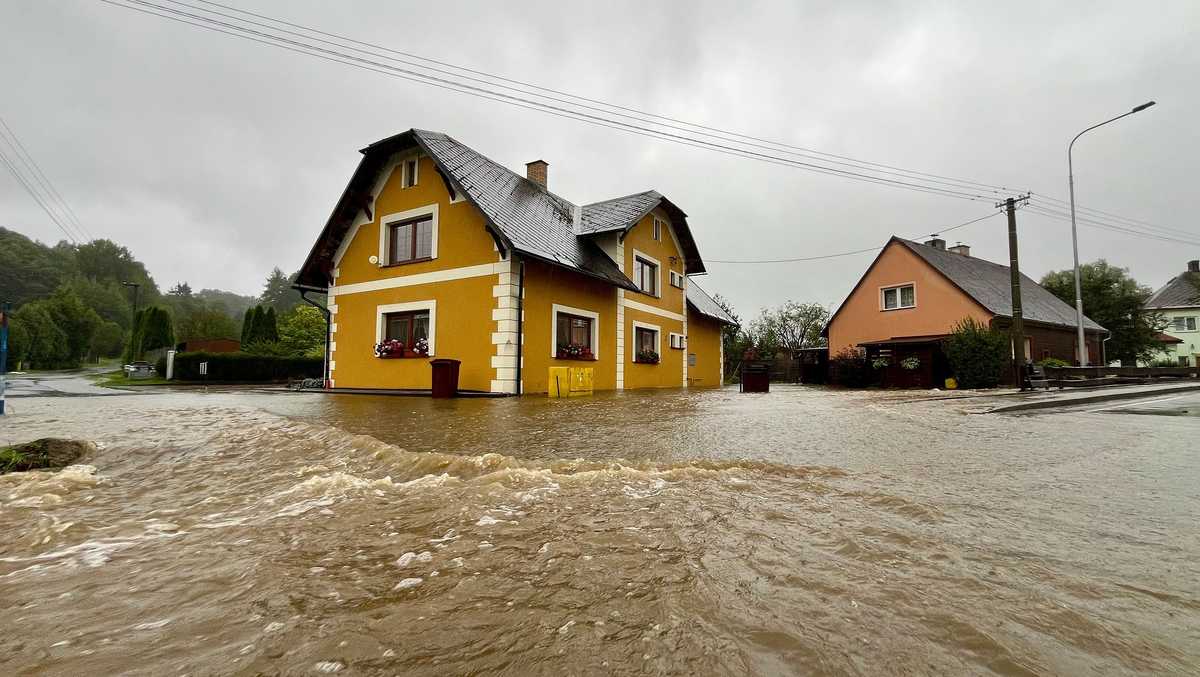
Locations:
(435, 251)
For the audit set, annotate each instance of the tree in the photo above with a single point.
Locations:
(30, 270)
(978, 354)
(1116, 301)
(205, 322)
(793, 326)
(182, 290)
(270, 328)
(45, 343)
(108, 340)
(106, 261)
(157, 330)
(18, 343)
(732, 337)
(278, 292)
(108, 299)
(302, 332)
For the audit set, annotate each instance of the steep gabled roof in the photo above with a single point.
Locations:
(623, 213)
(988, 284)
(1182, 291)
(521, 215)
(699, 301)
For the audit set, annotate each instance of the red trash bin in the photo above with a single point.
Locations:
(445, 377)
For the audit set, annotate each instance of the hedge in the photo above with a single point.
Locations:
(242, 367)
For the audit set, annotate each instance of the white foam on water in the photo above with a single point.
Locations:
(406, 559)
(425, 557)
(566, 627)
(273, 627)
(408, 583)
(152, 625)
(328, 667)
(451, 535)
(487, 521)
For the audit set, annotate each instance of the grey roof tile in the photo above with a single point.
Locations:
(617, 213)
(990, 285)
(704, 304)
(1182, 291)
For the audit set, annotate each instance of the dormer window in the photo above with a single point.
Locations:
(896, 298)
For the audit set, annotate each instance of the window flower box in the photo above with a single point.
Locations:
(646, 357)
(393, 349)
(574, 351)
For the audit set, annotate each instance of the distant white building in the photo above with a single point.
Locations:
(1179, 302)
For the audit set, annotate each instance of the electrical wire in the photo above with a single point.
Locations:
(1104, 225)
(841, 254)
(36, 198)
(919, 181)
(51, 193)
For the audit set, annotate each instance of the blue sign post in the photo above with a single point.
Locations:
(3, 351)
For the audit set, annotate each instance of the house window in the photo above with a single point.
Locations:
(645, 343)
(645, 275)
(574, 337)
(657, 230)
(410, 173)
(1183, 324)
(676, 280)
(895, 298)
(410, 328)
(574, 333)
(1183, 361)
(677, 341)
(410, 240)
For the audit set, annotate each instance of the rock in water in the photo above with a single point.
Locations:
(45, 454)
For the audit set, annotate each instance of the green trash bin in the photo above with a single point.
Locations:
(445, 377)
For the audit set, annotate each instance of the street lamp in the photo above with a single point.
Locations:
(1083, 356)
(136, 286)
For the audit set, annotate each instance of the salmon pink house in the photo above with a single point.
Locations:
(435, 251)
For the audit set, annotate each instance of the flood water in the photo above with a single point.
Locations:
(800, 532)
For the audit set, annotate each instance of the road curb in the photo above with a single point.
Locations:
(1077, 401)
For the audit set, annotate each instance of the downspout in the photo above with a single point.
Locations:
(520, 320)
(304, 290)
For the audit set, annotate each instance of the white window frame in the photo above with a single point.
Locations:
(676, 279)
(382, 311)
(386, 221)
(657, 340)
(1184, 319)
(657, 272)
(568, 310)
(677, 341)
(899, 296)
(657, 230)
(407, 181)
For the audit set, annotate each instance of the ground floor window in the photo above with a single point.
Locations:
(574, 333)
(405, 329)
(645, 343)
(574, 337)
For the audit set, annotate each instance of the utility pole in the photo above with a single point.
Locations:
(1014, 269)
(5, 310)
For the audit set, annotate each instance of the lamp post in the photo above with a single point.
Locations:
(136, 287)
(1082, 347)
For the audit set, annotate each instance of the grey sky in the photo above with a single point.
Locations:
(215, 159)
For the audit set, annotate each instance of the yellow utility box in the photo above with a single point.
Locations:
(570, 381)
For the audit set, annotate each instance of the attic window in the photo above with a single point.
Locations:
(657, 230)
(895, 298)
(410, 173)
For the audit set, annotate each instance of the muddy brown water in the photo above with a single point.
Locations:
(800, 532)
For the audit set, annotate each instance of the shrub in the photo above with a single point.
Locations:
(1054, 362)
(977, 354)
(850, 368)
(243, 367)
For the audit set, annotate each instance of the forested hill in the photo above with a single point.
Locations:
(79, 278)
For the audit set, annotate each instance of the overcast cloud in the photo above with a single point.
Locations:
(215, 159)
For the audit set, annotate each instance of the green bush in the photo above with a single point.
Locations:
(850, 368)
(245, 368)
(1054, 362)
(978, 355)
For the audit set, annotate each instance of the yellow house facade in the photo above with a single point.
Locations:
(435, 251)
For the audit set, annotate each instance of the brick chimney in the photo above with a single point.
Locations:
(937, 243)
(960, 248)
(536, 171)
(1194, 266)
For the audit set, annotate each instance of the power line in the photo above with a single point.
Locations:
(49, 192)
(367, 64)
(841, 254)
(640, 115)
(919, 181)
(1104, 225)
(36, 198)
(1061, 204)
